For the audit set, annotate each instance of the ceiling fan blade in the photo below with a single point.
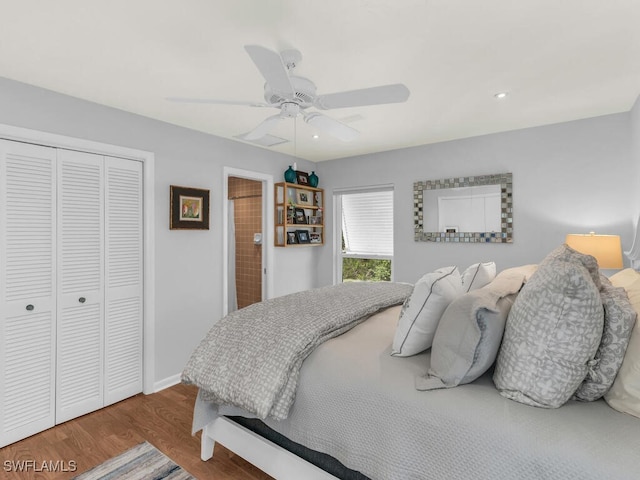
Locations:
(261, 130)
(395, 93)
(272, 69)
(215, 101)
(332, 126)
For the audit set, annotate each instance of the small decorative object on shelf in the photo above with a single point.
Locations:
(304, 198)
(303, 236)
(290, 175)
(303, 178)
(313, 180)
(300, 217)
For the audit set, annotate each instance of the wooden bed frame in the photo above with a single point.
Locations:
(264, 454)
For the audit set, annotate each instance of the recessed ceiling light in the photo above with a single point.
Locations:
(316, 136)
(501, 95)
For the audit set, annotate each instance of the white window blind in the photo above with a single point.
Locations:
(367, 223)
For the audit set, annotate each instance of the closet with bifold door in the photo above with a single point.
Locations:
(71, 285)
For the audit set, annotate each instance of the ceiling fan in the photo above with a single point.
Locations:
(293, 95)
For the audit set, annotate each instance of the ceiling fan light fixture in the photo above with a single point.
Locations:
(292, 95)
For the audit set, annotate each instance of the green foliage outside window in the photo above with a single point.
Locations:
(366, 269)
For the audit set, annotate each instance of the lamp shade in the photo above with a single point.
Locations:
(605, 248)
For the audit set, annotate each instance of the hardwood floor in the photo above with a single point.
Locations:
(163, 419)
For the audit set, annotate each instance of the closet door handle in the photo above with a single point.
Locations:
(82, 299)
(30, 307)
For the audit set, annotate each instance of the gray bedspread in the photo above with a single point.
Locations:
(359, 404)
(252, 357)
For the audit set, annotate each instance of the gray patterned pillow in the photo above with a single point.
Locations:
(567, 254)
(552, 332)
(619, 319)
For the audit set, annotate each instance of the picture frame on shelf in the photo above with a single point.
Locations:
(188, 208)
(303, 197)
(315, 220)
(315, 237)
(299, 216)
(302, 178)
(303, 236)
(292, 238)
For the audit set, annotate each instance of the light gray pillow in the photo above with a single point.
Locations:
(467, 341)
(619, 319)
(552, 333)
(468, 337)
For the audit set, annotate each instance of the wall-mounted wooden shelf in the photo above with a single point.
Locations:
(299, 215)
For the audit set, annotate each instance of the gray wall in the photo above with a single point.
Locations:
(571, 177)
(188, 263)
(635, 147)
(567, 178)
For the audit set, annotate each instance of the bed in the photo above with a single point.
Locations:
(357, 408)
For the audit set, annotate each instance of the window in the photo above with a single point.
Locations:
(366, 241)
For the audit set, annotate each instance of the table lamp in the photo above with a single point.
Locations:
(605, 248)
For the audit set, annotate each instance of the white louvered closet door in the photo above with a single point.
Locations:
(123, 280)
(79, 386)
(27, 289)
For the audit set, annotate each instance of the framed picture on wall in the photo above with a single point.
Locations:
(189, 208)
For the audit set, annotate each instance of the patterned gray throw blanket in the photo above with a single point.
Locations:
(252, 357)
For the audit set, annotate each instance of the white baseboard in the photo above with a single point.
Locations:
(166, 382)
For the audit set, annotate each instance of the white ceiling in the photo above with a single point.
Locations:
(559, 61)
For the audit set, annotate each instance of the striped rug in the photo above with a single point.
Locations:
(142, 462)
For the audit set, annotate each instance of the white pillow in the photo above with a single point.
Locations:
(624, 278)
(478, 275)
(421, 312)
(624, 395)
